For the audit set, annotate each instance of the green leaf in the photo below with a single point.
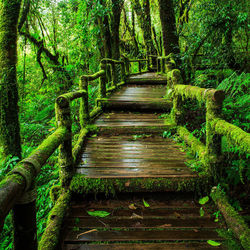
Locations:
(145, 203)
(213, 243)
(202, 212)
(204, 200)
(98, 213)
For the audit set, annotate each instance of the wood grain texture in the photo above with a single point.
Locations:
(131, 156)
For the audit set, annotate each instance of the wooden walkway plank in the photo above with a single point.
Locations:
(152, 246)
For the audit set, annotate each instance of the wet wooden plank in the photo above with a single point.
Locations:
(168, 165)
(135, 235)
(151, 246)
(121, 222)
(79, 211)
(133, 172)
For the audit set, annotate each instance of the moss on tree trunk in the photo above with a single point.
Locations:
(169, 33)
(9, 123)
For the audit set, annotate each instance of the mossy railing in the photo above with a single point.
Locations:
(210, 152)
(17, 189)
(150, 64)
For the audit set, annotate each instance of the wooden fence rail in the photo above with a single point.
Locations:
(210, 152)
(20, 181)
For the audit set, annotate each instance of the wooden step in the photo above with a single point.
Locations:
(134, 98)
(169, 222)
(132, 156)
(147, 78)
(120, 123)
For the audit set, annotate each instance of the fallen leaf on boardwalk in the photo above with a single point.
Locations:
(98, 213)
(127, 184)
(87, 232)
(132, 206)
(196, 231)
(145, 203)
(177, 215)
(136, 216)
(213, 243)
(165, 225)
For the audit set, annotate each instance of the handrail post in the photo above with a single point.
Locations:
(213, 140)
(126, 64)
(102, 82)
(113, 75)
(148, 62)
(139, 63)
(177, 109)
(123, 71)
(163, 62)
(65, 158)
(24, 221)
(108, 73)
(84, 105)
(158, 63)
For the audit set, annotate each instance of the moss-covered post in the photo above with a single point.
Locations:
(125, 59)
(84, 105)
(158, 61)
(123, 71)
(163, 62)
(102, 82)
(139, 64)
(65, 158)
(108, 72)
(213, 140)
(148, 62)
(113, 74)
(174, 78)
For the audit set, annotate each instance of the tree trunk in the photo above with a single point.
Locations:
(115, 26)
(9, 122)
(170, 38)
(144, 19)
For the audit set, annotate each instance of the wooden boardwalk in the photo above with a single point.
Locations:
(129, 146)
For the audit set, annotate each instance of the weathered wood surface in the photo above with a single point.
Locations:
(131, 156)
(147, 78)
(169, 220)
(138, 97)
(153, 246)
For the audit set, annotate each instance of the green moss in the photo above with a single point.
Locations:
(50, 238)
(82, 185)
(233, 133)
(233, 219)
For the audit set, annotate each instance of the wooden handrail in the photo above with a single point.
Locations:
(20, 179)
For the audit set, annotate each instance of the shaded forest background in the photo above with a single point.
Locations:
(60, 40)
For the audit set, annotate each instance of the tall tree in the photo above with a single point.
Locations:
(110, 28)
(144, 20)
(169, 33)
(9, 123)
